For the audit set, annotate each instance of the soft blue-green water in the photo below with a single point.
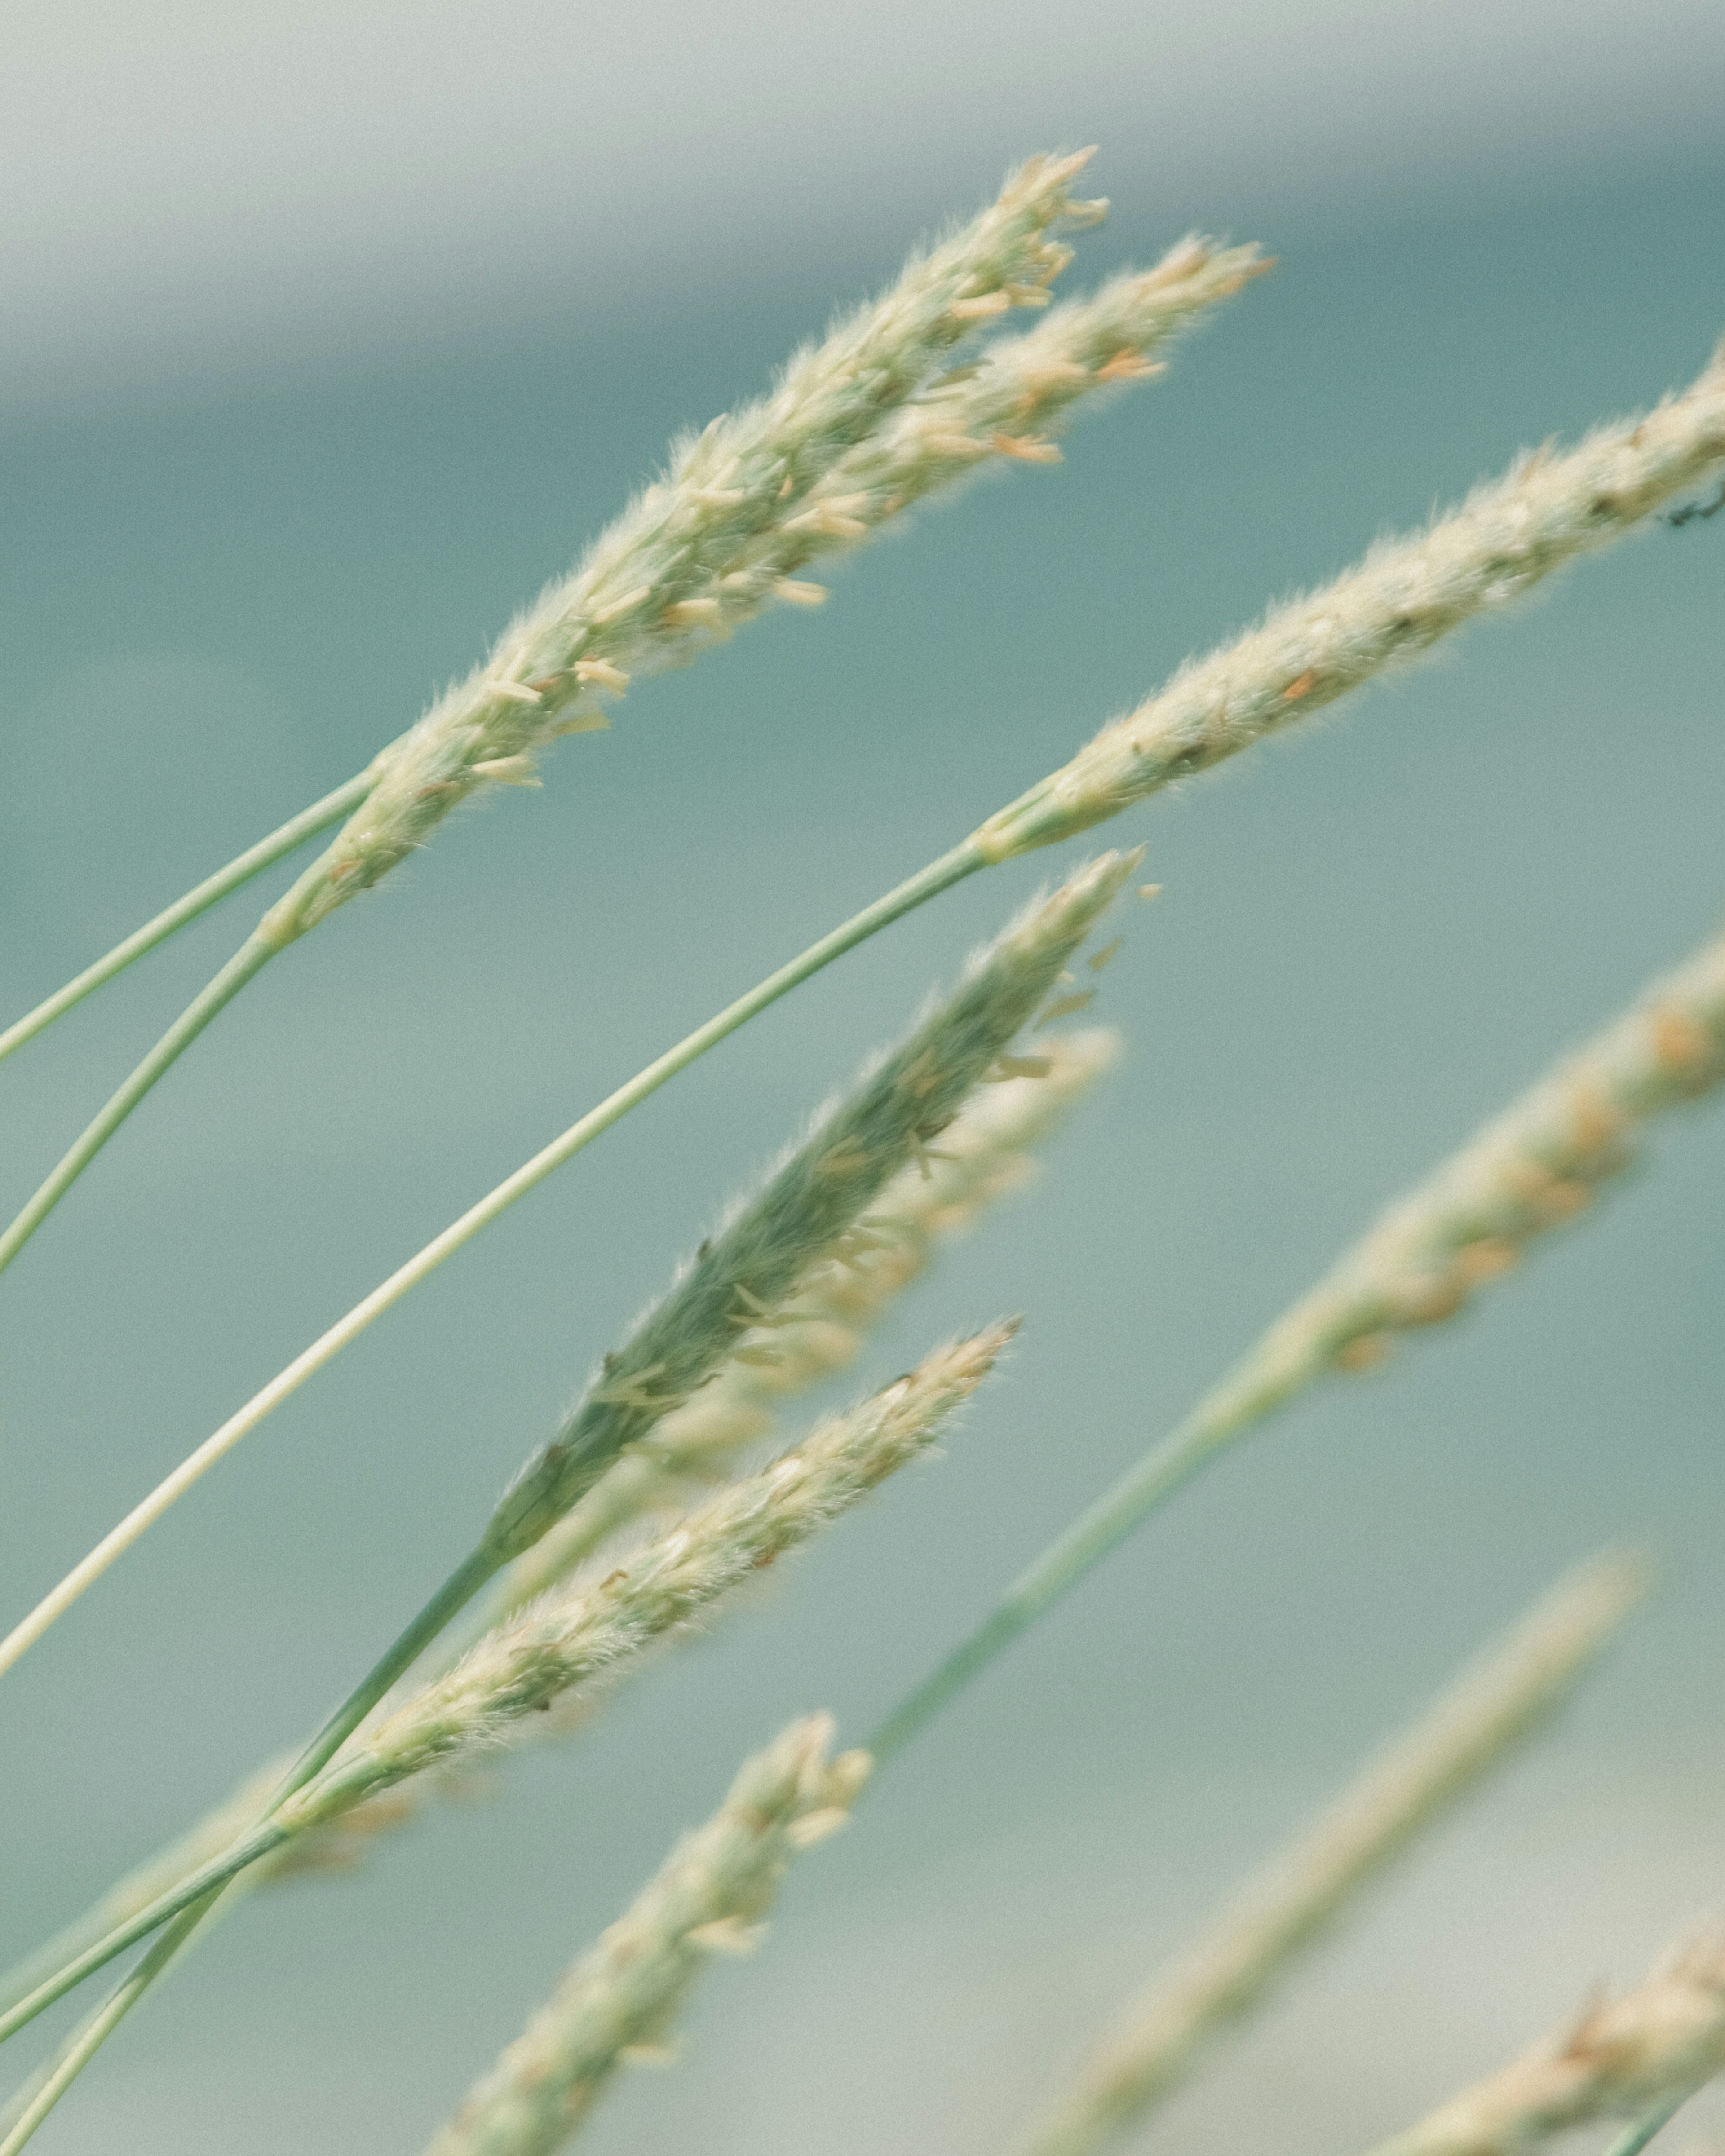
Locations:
(217, 601)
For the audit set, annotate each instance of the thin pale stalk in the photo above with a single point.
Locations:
(1158, 2039)
(940, 876)
(1529, 1170)
(199, 900)
(89, 2037)
(248, 962)
(195, 1895)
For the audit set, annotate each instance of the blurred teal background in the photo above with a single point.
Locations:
(335, 334)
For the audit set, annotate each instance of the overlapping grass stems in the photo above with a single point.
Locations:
(1503, 541)
(859, 426)
(982, 1155)
(818, 1197)
(581, 1638)
(1532, 1169)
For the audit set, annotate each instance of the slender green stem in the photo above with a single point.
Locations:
(199, 899)
(197, 1892)
(251, 957)
(1143, 1486)
(1631, 2141)
(938, 876)
(89, 2037)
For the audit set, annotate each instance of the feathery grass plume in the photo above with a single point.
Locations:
(818, 1327)
(1006, 403)
(1532, 1168)
(1158, 2038)
(578, 1637)
(616, 2006)
(1644, 2051)
(812, 1206)
(704, 548)
(1403, 596)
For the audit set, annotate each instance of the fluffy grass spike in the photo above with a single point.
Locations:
(576, 1637)
(1505, 538)
(741, 509)
(729, 1298)
(982, 1154)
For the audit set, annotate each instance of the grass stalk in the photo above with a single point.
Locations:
(1534, 1168)
(1160, 2035)
(815, 468)
(199, 900)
